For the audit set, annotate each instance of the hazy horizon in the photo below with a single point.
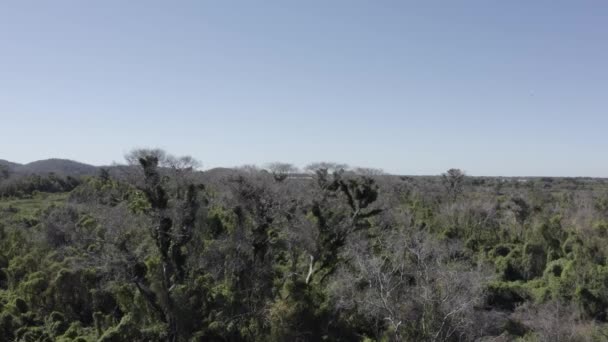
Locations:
(495, 89)
(301, 168)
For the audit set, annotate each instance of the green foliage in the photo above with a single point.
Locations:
(126, 330)
(29, 185)
(156, 257)
(294, 317)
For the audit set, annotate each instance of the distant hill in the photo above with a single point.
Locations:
(11, 166)
(59, 166)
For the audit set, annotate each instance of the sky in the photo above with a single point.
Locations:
(495, 88)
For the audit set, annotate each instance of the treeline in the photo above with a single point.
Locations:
(21, 186)
(162, 252)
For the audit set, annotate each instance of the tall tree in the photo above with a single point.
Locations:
(173, 221)
(453, 181)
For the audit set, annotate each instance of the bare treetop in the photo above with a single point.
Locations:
(164, 159)
(331, 167)
(281, 171)
(368, 171)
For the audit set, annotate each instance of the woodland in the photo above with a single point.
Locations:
(157, 250)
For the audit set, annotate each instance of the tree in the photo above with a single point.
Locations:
(340, 207)
(413, 289)
(248, 168)
(187, 163)
(330, 167)
(453, 181)
(165, 160)
(173, 220)
(368, 171)
(336, 225)
(280, 171)
(134, 156)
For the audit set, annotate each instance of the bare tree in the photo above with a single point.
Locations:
(133, 156)
(248, 168)
(182, 163)
(331, 167)
(554, 321)
(165, 160)
(413, 290)
(368, 171)
(280, 171)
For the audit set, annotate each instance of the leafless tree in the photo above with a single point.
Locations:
(414, 289)
(331, 167)
(555, 321)
(368, 171)
(133, 156)
(248, 168)
(281, 171)
(182, 163)
(178, 170)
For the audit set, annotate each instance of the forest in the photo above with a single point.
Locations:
(157, 250)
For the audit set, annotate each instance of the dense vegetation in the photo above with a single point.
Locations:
(158, 251)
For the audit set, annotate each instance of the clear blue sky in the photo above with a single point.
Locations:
(414, 87)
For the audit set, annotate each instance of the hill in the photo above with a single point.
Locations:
(54, 165)
(11, 166)
(59, 166)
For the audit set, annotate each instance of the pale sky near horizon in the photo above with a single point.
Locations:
(413, 87)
